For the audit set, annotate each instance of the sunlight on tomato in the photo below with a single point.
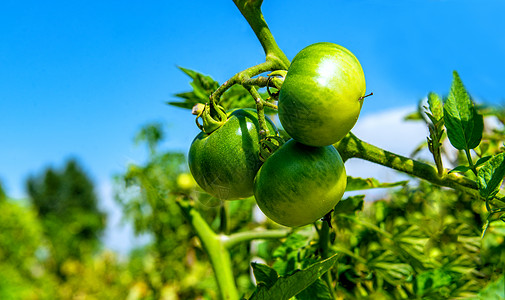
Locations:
(322, 94)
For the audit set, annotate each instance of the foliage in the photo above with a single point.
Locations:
(68, 209)
(22, 271)
(423, 242)
(147, 194)
(438, 236)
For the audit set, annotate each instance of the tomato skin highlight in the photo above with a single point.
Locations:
(321, 97)
(225, 162)
(299, 184)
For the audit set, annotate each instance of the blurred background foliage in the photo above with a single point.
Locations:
(418, 242)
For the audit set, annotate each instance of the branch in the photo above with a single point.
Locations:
(275, 58)
(251, 10)
(246, 236)
(260, 105)
(243, 77)
(215, 249)
(352, 147)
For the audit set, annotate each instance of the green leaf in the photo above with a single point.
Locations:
(264, 274)
(494, 290)
(318, 290)
(288, 286)
(435, 106)
(482, 160)
(464, 125)
(357, 184)
(432, 280)
(460, 169)
(203, 86)
(349, 205)
(388, 266)
(490, 176)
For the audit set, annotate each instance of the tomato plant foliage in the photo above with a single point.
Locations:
(437, 236)
(422, 242)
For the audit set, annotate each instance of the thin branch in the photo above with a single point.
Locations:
(260, 104)
(241, 77)
(262, 81)
(247, 236)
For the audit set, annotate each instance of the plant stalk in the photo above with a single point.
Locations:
(324, 240)
(216, 250)
(247, 236)
(251, 10)
(352, 147)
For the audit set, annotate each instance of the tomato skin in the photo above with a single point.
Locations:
(225, 162)
(320, 99)
(299, 184)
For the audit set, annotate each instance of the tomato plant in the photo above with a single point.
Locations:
(321, 97)
(225, 161)
(415, 245)
(300, 184)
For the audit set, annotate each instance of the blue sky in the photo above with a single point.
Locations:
(78, 79)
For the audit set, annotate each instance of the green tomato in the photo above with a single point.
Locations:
(225, 162)
(321, 97)
(299, 184)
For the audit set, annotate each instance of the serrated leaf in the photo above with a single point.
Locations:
(318, 290)
(288, 286)
(186, 96)
(349, 205)
(203, 86)
(357, 184)
(188, 72)
(435, 106)
(264, 274)
(293, 241)
(464, 125)
(490, 176)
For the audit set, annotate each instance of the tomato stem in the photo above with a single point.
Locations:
(361, 98)
(275, 58)
(470, 161)
(224, 218)
(260, 107)
(324, 241)
(244, 78)
(251, 10)
(216, 250)
(247, 236)
(352, 147)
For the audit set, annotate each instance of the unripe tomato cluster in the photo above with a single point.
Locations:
(319, 103)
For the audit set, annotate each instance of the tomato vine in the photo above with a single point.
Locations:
(218, 245)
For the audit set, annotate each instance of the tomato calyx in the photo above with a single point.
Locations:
(327, 218)
(268, 145)
(213, 116)
(275, 79)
